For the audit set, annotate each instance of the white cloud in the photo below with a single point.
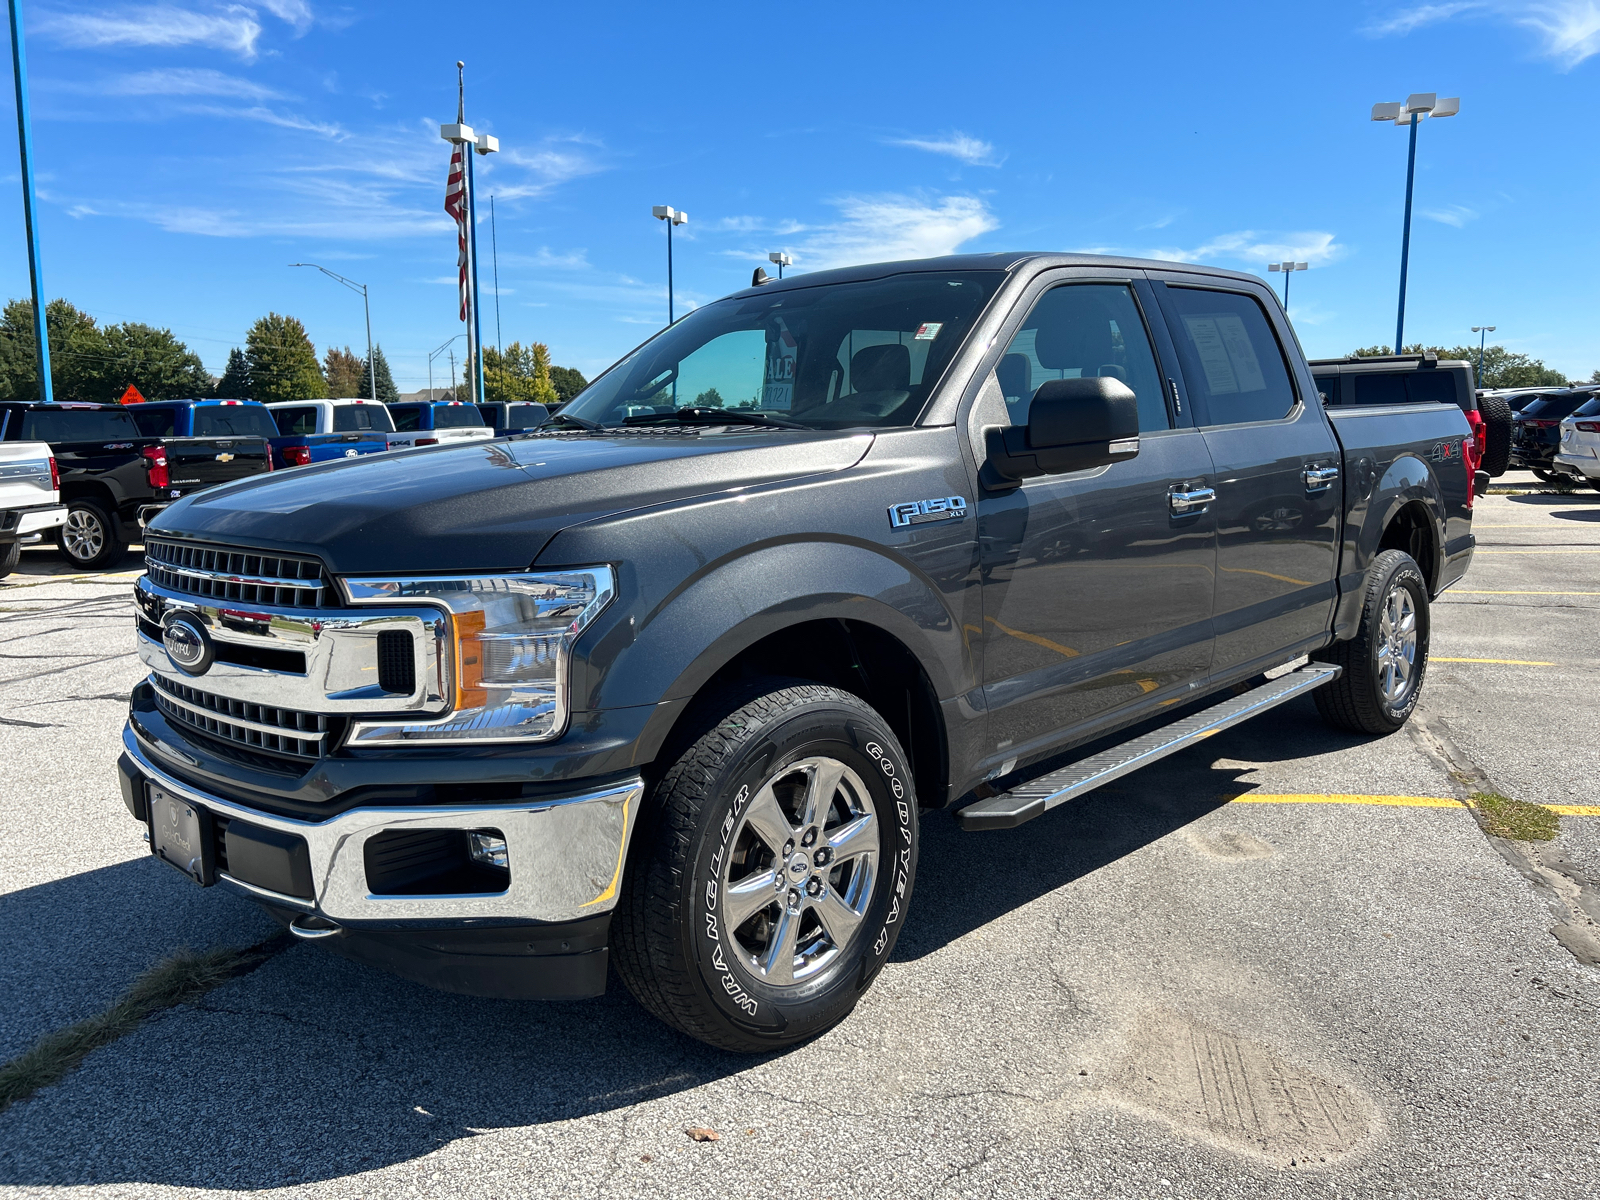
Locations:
(548, 166)
(1257, 249)
(884, 228)
(183, 81)
(295, 12)
(1451, 214)
(970, 150)
(232, 28)
(1569, 30)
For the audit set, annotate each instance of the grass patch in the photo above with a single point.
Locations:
(180, 978)
(1517, 820)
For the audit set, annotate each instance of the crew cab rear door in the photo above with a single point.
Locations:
(1097, 584)
(1279, 491)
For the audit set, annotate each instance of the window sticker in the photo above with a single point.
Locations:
(1226, 353)
(927, 331)
(777, 388)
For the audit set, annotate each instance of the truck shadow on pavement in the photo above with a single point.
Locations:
(314, 1068)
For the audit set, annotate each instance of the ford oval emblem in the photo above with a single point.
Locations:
(188, 645)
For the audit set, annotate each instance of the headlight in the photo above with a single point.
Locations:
(512, 636)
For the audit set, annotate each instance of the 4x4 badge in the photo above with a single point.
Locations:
(919, 512)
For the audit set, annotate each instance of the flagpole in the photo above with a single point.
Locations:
(41, 330)
(472, 255)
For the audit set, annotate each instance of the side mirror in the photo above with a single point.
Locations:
(1073, 425)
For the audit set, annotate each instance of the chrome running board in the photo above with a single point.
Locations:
(1028, 800)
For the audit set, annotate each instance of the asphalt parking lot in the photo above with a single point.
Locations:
(1285, 962)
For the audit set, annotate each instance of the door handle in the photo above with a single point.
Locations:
(1188, 503)
(1319, 479)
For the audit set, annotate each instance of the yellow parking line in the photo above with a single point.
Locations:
(1466, 592)
(1381, 801)
(1563, 550)
(1564, 810)
(1497, 662)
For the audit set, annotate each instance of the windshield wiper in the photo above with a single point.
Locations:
(580, 422)
(697, 415)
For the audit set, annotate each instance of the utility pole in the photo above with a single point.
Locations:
(1416, 106)
(665, 212)
(41, 330)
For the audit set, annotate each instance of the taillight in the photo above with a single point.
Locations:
(427, 441)
(1583, 427)
(1535, 423)
(55, 475)
(155, 466)
(270, 466)
(297, 456)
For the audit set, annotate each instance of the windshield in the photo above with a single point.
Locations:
(828, 357)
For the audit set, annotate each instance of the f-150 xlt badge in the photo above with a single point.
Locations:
(920, 512)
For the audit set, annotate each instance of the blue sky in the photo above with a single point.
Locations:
(187, 151)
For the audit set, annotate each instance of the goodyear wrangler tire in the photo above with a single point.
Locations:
(772, 870)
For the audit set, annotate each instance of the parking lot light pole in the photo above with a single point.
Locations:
(1483, 332)
(1416, 106)
(1288, 269)
(782, 259)
(41, 330)
(665, 212)
(372, 367)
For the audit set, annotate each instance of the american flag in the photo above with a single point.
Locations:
(455, 203)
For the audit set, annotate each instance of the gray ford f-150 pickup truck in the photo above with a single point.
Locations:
(664, 683)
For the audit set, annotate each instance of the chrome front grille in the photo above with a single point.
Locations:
(285, 731)
(228, 573)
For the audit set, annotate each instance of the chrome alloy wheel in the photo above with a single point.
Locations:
(1397, 645)
(800, 872)
(83, 535)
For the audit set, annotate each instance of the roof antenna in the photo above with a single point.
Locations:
(761, 277)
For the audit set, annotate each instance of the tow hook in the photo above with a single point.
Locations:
(311, 928)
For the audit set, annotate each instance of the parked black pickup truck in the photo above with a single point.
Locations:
(115, 474)
(674, 680)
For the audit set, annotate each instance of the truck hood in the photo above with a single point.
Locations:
(491, 505)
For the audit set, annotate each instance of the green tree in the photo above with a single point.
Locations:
(387, 392)
(235, 381)
(92, 364)
(544, 391)
(342, 369)
(710, 398)
(569, 382)
(1501, 367)
(150, 359)
(283, 362)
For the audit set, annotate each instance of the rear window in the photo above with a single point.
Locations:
(1405, 387)
(295, 422)
(1553, 408)
(1588, 408)
(233, 420)
(407, 418)
(457, 416)
(349, 418)
(79, 425)
(524, 415)
(155, 422)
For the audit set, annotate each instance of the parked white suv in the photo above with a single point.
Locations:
(1578, 452)
(30, 498)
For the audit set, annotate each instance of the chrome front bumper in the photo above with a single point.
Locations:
(566, 854)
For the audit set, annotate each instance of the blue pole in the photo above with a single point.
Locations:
(472, 252)
(41, 331)
(670, 317)
(1405, 242)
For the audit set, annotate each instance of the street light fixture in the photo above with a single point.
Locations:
(1416, 106)
(665, 212)
(433, 354)
(782, 259)
(1288, 269)
(1483, 332)
(372, 367)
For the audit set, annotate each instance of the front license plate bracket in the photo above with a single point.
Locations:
(181, 836)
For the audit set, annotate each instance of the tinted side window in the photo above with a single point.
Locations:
(1231, 357)
(1328, 386)
(1381, 389)
(1079, 331)
(1430, 387)
(154, 422)
(406, 419)
(457, 416)
(79, 425)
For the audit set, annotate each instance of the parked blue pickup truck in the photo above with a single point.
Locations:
(506, 418)
(312, 431)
